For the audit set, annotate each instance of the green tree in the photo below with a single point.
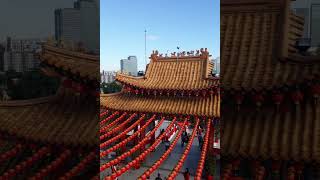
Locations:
(111, 87)
(32, 84)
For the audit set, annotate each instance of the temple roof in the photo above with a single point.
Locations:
(50, 120)
(209, 106)
(258, 46)
(290, 134)
(84, 65)
(172, 73)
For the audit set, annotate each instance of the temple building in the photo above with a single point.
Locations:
(54, 137)
(269, 89)
(179, 89)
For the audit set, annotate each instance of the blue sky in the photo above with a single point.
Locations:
(189, 24)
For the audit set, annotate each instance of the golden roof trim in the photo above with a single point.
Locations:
(67, 52)
(68, 60)
(209, 106)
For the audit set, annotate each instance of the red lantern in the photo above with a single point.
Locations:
(276, 166)
(67, 83)
(315, 89)
(297, 96)
(258, 99)
(203, 93)
(239, 98)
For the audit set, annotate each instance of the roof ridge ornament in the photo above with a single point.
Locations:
(203, 53)
(154, 54)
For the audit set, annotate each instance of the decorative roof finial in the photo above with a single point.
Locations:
(198, 53)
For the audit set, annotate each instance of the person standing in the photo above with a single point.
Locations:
(200, 140)
(159, 177)
(183, 138)
(186, 174)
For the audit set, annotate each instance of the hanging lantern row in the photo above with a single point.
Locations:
(107, 127)
(127, 140)
(118, 128)
(203, 152)
(277, 97)
(103, 113)
(184, 156)
(97, 177)
(11, 153)
(123, 134)
(79, 167)
(142, 143)
(80, 88)
(143, 155)
(19, 168)
(157, 164)
(294, 170)
(136, 123)
(109, 118)
(52, 166)
(156, 92)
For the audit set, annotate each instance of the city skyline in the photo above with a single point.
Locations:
(35, 23)
(193, 29)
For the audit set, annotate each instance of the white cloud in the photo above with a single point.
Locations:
(152, 37)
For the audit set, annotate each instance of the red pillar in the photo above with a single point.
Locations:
(153, 137)
(135, 140)
(123, 148)
(142, 135)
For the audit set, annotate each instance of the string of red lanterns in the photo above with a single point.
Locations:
(196, 92)
(203, 152)
(78, 87)
(108, 118)
(107, 127)
(105, 144)
(116, 129)
(79, 167)
(11, 173)
(143, 155)
(52, 166)
(104, 113)
(157, 164)
(143, 142)
(227, 172)
(97, 177)
(175, 171)
(11, 153)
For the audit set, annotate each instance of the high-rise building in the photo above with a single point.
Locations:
(20, 54)
(108, 76)
(67, 25)
(129, 66)
(2, 50)
(216, 65)
(310, 10)
(79, 24)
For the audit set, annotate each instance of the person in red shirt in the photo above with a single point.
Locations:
(186, 174)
